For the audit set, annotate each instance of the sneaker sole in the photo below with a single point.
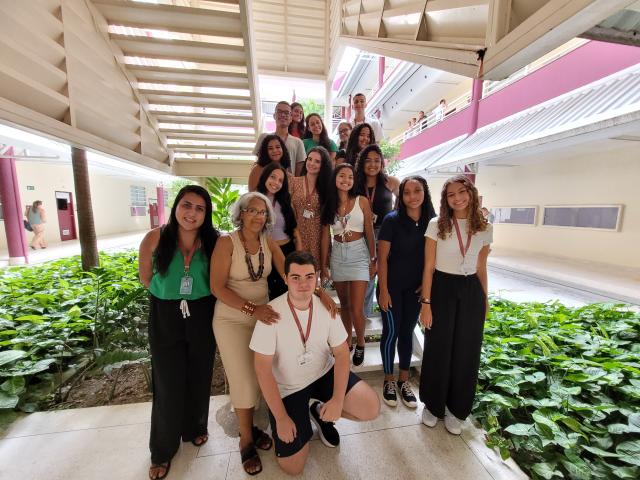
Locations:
(409, 404)
(320, 434)
(391, 403)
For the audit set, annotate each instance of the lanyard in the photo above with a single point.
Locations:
(309, 193)
(303, 337)
(187, 259)
(464, 250)
(372, 196)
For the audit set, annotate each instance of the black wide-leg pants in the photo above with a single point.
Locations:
(452, 347)
(182, 355)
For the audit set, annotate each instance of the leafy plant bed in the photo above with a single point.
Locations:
(559, 389)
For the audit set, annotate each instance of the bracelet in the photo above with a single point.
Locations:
(248, 308)
(425, 300)
(373, 259)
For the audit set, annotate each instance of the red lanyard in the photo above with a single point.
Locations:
(372, 196)
(187, 259)
(309, 194)
(464, 250)
(303, 337)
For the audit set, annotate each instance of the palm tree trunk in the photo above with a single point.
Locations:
(86, 227)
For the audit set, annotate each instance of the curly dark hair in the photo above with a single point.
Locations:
(360, 177)
(301, 125)
(324, 136)
(283, 197)
(324, 176)
(427, 212)
(476, 222)
(330, 208)
(353, 148)
(168, 243)
(263, 153)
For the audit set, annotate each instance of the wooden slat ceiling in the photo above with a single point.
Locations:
(194, 69)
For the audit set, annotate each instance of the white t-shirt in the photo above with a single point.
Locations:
(375, 125)
(448, 256)
(295, 147)
(282, 340)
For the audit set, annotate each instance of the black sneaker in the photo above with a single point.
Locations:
(389, 393)
(407, 396)
(327, 431)
(358, 355)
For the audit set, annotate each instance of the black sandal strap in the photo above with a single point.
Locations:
(260, 437)
(249, 453)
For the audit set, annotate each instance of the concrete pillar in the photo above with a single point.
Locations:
(348, 117)
(328, 106)
(160, 194)
(13, 211)
(381, 66)
(476, 96)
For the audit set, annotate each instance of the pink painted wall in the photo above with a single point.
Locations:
(584, 65)
(453, 126)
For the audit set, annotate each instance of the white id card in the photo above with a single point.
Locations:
(375, 217)
(186, 285)
(304, 358)
(307, 214)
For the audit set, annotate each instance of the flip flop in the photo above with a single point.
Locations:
(249, 454)
(160, 465)
(260, 439)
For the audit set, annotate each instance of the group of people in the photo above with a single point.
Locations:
(256, 294)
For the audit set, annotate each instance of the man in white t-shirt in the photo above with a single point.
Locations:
(295, 147)
(359, 104)
(305, 356)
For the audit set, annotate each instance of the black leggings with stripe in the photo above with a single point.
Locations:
(397, 327)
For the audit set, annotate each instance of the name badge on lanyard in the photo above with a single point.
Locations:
(186, 282)
(465, 249)
(308, 213)
(306, 357)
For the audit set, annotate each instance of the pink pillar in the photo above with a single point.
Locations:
(381, 61)
(12, 209)
(160, 194)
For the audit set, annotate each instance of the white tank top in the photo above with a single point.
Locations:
(351, 222)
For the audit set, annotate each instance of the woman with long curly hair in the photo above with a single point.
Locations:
(361, 136)
(454, 304)
(174, 264)
(272, 150)
(317, 136)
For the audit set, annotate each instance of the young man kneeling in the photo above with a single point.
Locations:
(294, 360)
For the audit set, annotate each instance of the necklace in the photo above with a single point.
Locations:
(247, 258)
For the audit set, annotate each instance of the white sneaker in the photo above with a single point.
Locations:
(428, 418)
(452, 423)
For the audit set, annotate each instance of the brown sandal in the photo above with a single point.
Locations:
(249, 457)
(165, 465)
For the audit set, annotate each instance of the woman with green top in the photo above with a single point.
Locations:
(174, 264)
(37, 218)
(317, 135)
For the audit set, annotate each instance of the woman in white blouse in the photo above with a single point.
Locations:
(454, 304)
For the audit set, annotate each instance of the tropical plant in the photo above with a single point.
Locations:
(174, 188)
(311, 106)
(84, 207)
(559, 389)
(223, 195)
(390, 151)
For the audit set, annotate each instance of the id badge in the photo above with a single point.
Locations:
(307, 213)
(304, 358)
(186, 285)
(375, 217)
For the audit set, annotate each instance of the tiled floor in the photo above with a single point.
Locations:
(111, 443)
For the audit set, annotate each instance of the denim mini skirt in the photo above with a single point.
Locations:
(349, 261)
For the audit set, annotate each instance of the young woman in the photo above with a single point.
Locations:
(400, 264)
(37, 217)
(174, 265)
(454, 304)
(272, 150)
(379, 188)
(317, 136)
(352, 264)
(308, 195)
(239, 281)
(344, 130)
(297, 127)
(274, 185)
(361, 136)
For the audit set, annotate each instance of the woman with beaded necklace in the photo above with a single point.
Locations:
(243, 262)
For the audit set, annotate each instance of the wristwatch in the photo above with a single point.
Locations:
(425, 300)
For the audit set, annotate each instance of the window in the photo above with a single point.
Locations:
(515, 215)
(1, 212)
(605, 217)
(138, 201)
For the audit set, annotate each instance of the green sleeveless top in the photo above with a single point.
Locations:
(167, 286)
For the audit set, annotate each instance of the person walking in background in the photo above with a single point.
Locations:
(400, 265)
(440, 111)
(297, 127)
(359, 105)
(272, 150)
(316, 135)
(488, 216)
(360, 137)
(174, 264)
(37, 217)
(454, 304)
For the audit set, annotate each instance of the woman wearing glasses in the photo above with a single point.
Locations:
(243, 262)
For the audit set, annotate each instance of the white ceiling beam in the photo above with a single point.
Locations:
(246, 16)
(238, 170)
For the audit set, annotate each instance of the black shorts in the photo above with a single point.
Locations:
(297, 407)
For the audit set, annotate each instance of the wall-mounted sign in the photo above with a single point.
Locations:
(30, 187)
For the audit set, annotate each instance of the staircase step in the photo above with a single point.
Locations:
(373, 359)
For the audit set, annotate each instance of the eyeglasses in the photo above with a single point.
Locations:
(344, 130)
(283, 113)
(253, 211)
